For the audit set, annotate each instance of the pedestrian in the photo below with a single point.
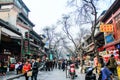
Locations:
(96, 63)
(59, 64)
(56, 63)
(47, 65)
(105, 73)
(19, 68)
(1, 69)
(16, 67)
(26, 68)
(35, 67)
(5, 68)
(81, 68)
(112, 64)
(51, 65)
(63, 65)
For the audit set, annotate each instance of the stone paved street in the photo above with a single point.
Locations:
(54, 75)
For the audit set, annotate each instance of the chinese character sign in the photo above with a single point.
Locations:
(106, 28)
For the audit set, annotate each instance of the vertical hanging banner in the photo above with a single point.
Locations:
(106, 28)
(26, 46)
(51, 57)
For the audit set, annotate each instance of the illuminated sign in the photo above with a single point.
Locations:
(106, 28)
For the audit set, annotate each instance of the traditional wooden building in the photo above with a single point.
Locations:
(10, 41)
(16, 13)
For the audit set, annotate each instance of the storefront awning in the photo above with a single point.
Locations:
(10, 27)
(9, 33)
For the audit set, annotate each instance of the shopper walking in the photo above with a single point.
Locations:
(63, 65)
(26, 68)
(35, 67)
(105, 73)
(112, 64)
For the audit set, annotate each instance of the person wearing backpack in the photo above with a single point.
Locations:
(105, 73)
(112, 64)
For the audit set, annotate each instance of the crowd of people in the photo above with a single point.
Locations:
(22, 67)
(33, 66)
(105, 70)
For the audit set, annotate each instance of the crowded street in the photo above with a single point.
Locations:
(56, 74)
(59, 39)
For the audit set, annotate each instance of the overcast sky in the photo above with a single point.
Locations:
(47, 12)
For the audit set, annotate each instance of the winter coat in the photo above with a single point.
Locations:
(112, 63)
(105, 74)
(35, 67)
(26, 68)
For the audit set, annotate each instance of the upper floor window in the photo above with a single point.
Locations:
(25, 11)
(18, 3)
(6, 1)
(6, 6)
(21, 6)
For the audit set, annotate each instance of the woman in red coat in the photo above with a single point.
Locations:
(26, 68)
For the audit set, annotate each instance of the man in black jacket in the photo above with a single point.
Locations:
(35, 67)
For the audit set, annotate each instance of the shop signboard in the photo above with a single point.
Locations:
(26, 46)
(109, 38)
(106, 28)
(103, 53)
(27, 35)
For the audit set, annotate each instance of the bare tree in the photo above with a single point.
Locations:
(87, 13)
(83, 32)
(49, 31)
(66, 27)
(66, 22)
(54, 39)
(65, 44)
(57, 43)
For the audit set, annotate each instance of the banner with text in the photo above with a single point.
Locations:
(106, 28)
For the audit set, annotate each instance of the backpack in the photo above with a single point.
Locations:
(111, 63)
(107, 72)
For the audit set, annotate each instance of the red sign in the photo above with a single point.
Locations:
(110, 48)
(100, 49)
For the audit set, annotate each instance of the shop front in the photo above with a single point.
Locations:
(113, 48)
(10, 42)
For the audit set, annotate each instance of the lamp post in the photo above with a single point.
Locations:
(66, 67)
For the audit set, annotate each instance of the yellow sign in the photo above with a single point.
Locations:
(106, 28)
